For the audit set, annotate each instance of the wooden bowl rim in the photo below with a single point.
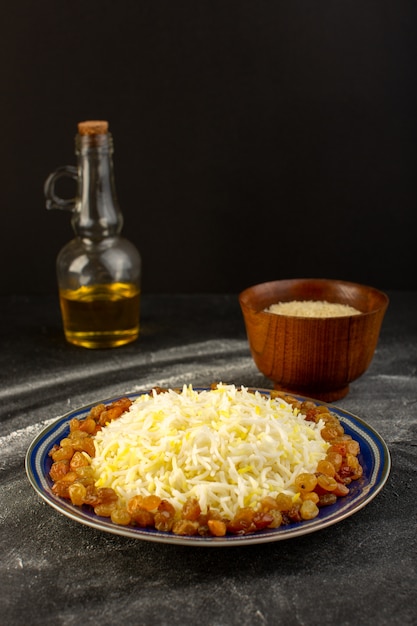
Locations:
(384, 299)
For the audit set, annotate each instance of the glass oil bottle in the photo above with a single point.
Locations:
(99, 271)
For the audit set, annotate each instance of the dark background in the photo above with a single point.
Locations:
(253, 140)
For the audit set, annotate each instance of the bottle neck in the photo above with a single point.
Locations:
(97, 212)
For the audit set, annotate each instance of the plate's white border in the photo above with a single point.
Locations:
(379, 472)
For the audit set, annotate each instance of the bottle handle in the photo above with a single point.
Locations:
(53, 201)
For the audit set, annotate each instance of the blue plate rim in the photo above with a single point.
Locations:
(374, 456)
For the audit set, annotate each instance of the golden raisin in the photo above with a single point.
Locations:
(310, 495)
(327, 499)
(79, 460)
(327, 483)
(268, 503)
(77, 493)
(88, 426)
(262, 519)
(191, 509)
(305, 482)
(134, 503)
(62, 453)
(120, 516)
(142, 517)
(276, 518)
(283, 502)
(105, 509)
(243, 521)
(107, 495)
(185, 527)
(217, 527)
(335, 458)
(150, 503)
(332, 431)
(352, 447)
(74, 424)
(59, 469)
(326, 467)
(341, 490)
(163, 520)
(309, 510)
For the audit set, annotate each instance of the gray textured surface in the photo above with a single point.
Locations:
(55, 571)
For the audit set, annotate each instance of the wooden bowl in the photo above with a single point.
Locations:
(313, 356)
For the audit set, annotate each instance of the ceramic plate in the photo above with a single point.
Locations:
(374, 458)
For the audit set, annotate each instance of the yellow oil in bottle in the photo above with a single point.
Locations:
(101, 316)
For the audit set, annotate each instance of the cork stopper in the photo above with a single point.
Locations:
(93, 127)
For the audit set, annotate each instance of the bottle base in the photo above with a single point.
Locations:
(97, 340)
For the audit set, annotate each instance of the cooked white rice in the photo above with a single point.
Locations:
(227, 447)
